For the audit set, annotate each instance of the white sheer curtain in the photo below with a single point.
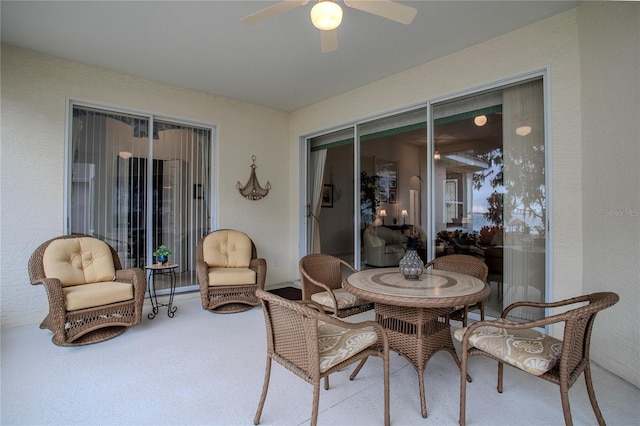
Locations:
(318, 159)
(524, 198)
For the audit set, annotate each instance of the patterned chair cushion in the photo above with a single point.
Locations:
(343, 297)
(338, 343)
(529, 350)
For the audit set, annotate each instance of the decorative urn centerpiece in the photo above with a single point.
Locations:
(411, 266)
(162, 255)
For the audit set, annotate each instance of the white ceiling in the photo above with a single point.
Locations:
(277, 63)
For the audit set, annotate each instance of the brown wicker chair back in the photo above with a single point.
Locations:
(323, 272)
(89, 325)
(574, 355)
(293, 342)
(229, 298)
(468, 265)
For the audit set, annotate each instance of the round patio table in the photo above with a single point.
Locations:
(415, 313)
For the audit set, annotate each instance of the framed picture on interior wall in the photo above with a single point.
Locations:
(383, 183)
(327, 196)
(392, 197)
(392, 183)
(384, 197)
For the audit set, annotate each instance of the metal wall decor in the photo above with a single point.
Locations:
(252, 190)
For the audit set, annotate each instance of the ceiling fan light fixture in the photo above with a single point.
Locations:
(326, 15)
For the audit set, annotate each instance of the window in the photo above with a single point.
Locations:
(138, 182)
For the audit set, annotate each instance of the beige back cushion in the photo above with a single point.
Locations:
(227, 249)
(79, 261)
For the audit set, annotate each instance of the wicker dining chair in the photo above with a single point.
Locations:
(557, 361)
(312, 345)
(91, 297)
(229, 271)
(468, 265)
(321, 279)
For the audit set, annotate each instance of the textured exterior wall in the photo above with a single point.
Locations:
(610, 67)
(35, 90)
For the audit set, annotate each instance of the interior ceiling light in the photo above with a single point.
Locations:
(125, 155)
(326, 15)
(480, 120)
(523, 130)
(436, 156)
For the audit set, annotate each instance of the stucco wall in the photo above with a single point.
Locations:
(554, 44)
(610, 102)
(35, 89)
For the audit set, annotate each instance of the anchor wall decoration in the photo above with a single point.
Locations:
(252, 190)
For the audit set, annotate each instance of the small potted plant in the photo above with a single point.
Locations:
(162, 255)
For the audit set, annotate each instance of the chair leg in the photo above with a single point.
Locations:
(500, 376)
(566, 406)
(463, 389)
(385, 362)
(592, 395)
(465, 316)
(326, 382)
(316, 403)
(357, 370)
(265, 387)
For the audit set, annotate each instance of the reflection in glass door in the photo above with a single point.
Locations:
(138, 187)
(489, 189)
(392, 169)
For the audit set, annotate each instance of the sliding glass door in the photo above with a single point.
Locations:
(392, 170)
(489, 189)
(472, 181)
(138, 183)
(330, 195)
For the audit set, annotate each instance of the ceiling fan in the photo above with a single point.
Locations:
(326, 15)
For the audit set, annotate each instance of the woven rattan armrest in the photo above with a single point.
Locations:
(259, 265)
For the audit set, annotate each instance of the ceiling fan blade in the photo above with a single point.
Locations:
(386, 9)
(329, 40)
(272, 10)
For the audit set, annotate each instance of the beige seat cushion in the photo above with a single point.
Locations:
(343, 297)
(96, 294)
(231, 276)
(528, 350)
(338, 343)
(78, 261)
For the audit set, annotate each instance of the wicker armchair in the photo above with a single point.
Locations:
(229, 271)
(321, 279)
(91, 298)
(468, 265)
(559, 362)
(312, 345)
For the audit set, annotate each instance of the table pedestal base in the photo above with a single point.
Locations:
(417, 334)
